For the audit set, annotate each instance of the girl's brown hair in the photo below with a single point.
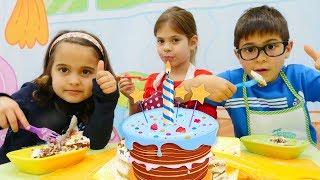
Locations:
(181, 21)
(44, 92)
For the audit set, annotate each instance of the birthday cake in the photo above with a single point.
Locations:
(178, 150)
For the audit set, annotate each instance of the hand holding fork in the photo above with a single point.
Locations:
(257, 78)
(12, 116)
(43, 133)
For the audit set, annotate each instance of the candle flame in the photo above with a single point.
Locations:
(168, 67)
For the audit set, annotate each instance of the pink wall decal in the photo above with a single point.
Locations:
(8, 80)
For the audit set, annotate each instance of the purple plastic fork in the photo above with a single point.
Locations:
(43, 133)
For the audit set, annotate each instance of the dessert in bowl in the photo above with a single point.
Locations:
(273, 146)
(68, 150)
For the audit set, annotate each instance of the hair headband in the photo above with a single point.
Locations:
(77, 35)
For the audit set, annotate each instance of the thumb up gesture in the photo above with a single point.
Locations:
(105, 79)
(314, 55)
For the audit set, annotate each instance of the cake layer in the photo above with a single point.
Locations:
(132, 176)
(174, 162)
(198, 171)
(171, 154)
(188, 132)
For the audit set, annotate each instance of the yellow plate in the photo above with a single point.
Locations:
(24, 162)
(260, 144)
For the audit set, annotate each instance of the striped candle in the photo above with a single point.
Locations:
(168, 97)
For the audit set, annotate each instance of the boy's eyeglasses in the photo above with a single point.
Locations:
(272, 50)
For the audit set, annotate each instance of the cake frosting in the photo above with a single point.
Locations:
(178, 150)
(122, 162)
(122, 151)
(259, 78)
(203, 129)
(118, 167)
(217, 166)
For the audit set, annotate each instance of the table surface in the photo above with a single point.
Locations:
(225, 145)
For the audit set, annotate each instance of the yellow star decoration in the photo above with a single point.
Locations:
(180, 92)
(199, 93)
(137, 95)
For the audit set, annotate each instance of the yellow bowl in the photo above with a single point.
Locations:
(260, 144)
(24, 162)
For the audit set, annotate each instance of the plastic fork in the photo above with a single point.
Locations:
(43, 133)
(133, 77)
(250, 83)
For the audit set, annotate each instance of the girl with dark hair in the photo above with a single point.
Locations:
(77, 79)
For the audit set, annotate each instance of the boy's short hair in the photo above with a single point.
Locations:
(262, 20)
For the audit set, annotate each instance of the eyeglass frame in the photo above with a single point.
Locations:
(263, 48)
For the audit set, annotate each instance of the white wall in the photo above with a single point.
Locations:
(128, 36)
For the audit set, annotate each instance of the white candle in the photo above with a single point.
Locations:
(168, 97)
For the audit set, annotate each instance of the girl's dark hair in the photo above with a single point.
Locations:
(44, 92)
(262, 20)
(181, 21)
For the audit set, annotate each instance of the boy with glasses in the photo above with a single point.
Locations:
(261, 38)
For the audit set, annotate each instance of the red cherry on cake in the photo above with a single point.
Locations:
(181, 129)
(197, 120)
(154, 127)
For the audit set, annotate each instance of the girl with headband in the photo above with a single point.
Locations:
(77, 79)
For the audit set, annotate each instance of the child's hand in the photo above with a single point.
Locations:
(10, 113)
(314, 55)
(219, 88)
(105, 79)
(126, 87)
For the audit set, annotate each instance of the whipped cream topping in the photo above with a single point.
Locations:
(72, 140)
(122, 151)
(258, 78)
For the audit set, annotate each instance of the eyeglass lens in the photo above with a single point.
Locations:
(271, 50)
